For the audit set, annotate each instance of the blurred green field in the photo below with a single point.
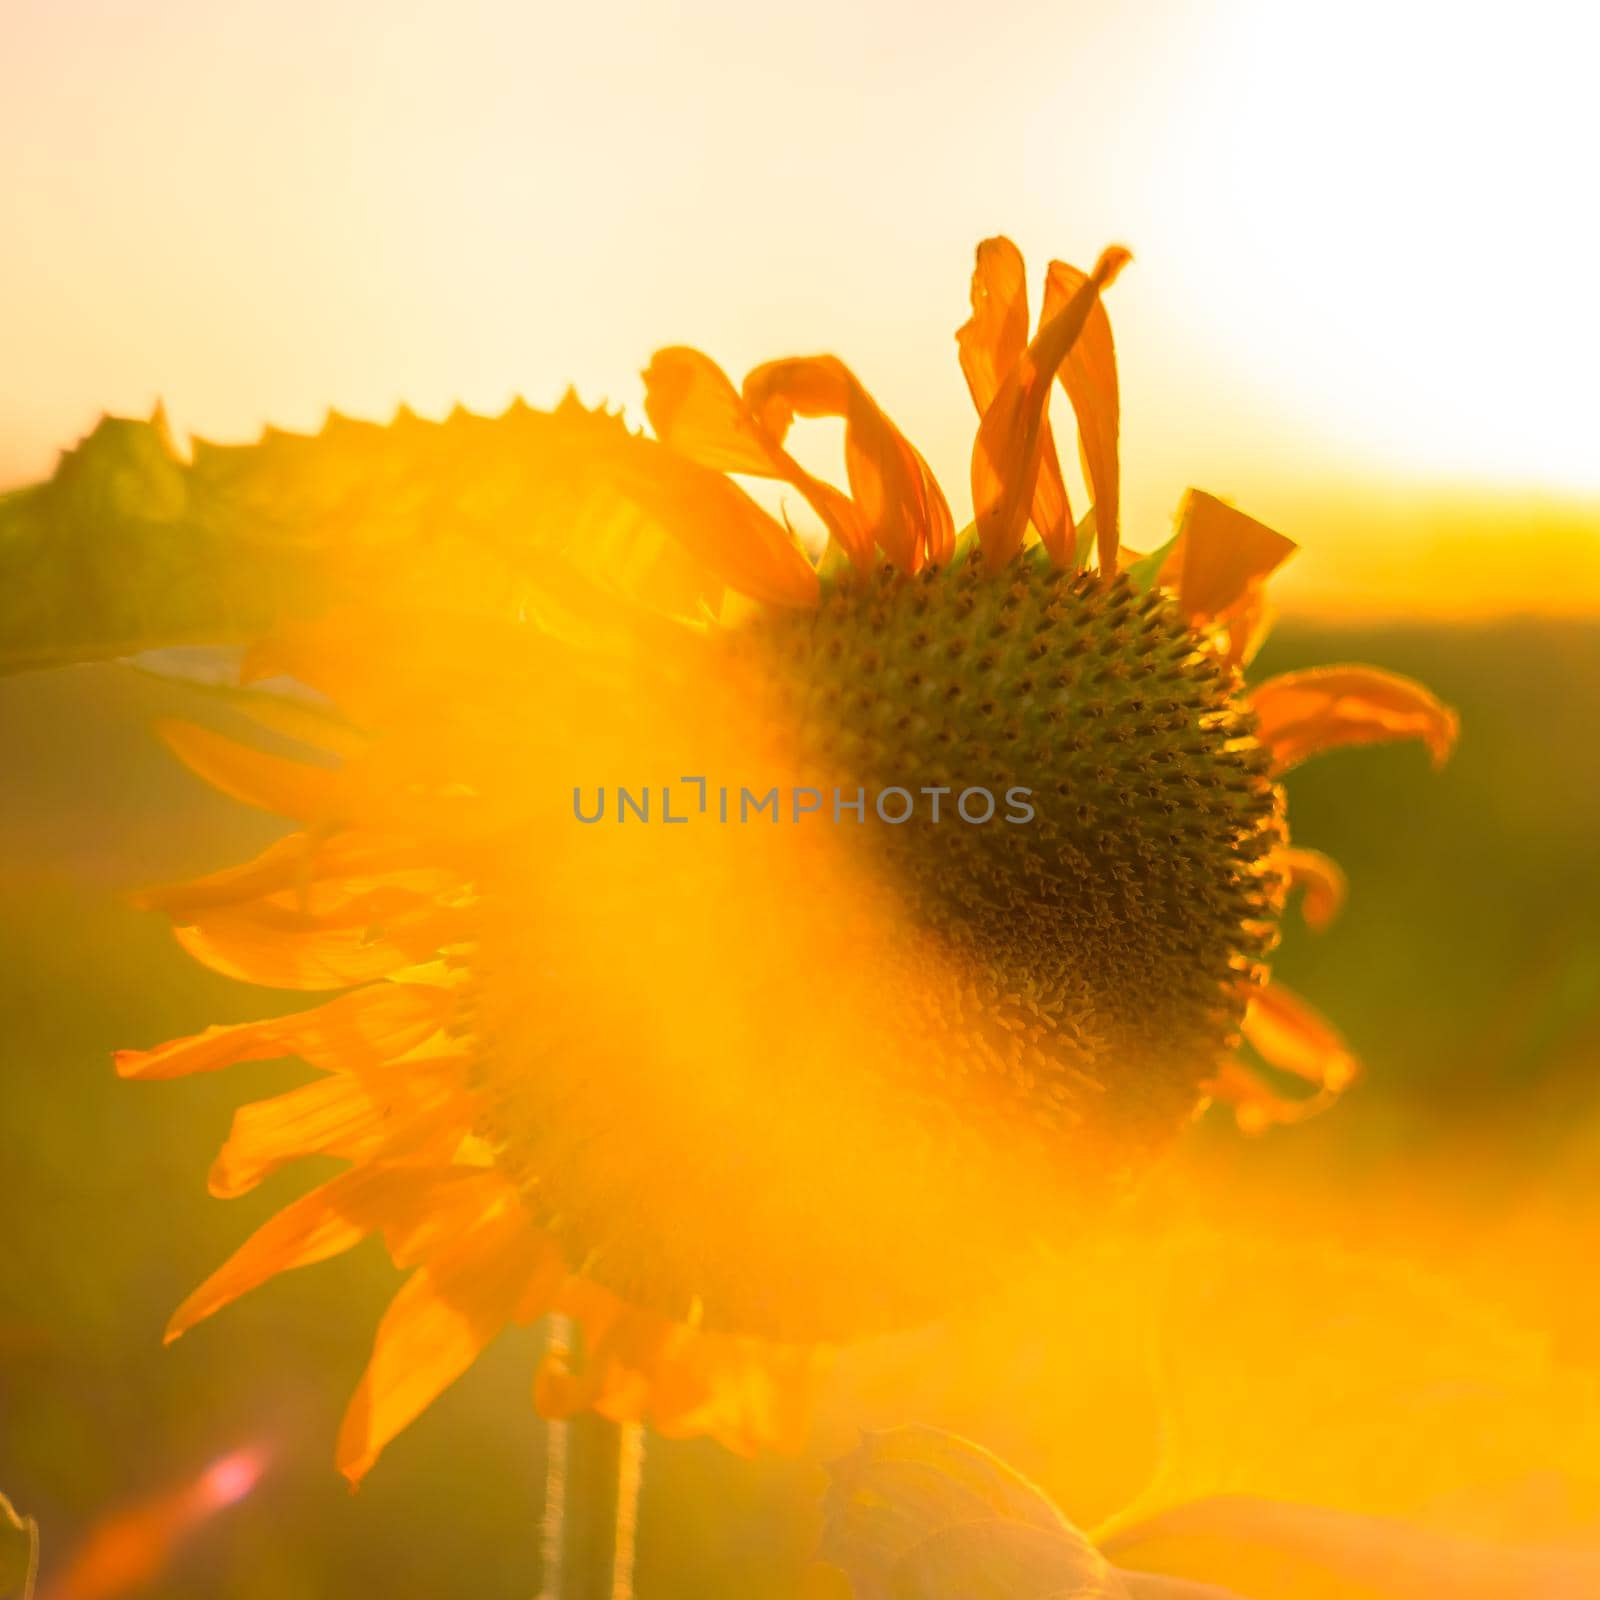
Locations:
(1465, 971)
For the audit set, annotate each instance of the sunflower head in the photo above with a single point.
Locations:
(745, 950)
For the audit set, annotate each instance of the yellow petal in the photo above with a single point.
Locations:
(991, 343)
(435, 1328)
(324, 1223)
(1299, 714)
(748, 1394)
(899, 502)
(299, 862)
(363, 1029)
(262, 944)
(1010, 440)
(378, 1114)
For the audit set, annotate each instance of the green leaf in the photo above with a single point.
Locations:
(19, 1553)
(919, 1514)
(1147, 569)
(129, 547)
(1087, 534)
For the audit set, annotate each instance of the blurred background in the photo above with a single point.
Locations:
(1361, 308)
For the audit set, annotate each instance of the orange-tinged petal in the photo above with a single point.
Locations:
(638, 1366)
(273, 783)
(1009, 445)
(991, 343)
(716, 521)
(317, 1226)
(1299, 714)
(431, 1216)
(899, 502)
(1088, 373)
(1248, 621)
(1291, 1035)
(1219, 554)
(1256, 1105)
(435, 1328)
(1321, 882)
(695, 409)
(251, 944)
(360, 1030)
(299, 864)
(355, 1118)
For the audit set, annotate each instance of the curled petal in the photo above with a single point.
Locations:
(899, 503)
(1321, 882)
(364, 1029)
(695, 410)
(717, 522)
(1010, 441)
(1219, 555)
(1300, 714)
(991, 343)
(1291, 1035)
(1089, 375)
(436, 1327)
(1256, 1105)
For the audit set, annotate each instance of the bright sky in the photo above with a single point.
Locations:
(1363, 303)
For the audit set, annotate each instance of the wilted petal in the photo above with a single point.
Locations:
(1293, 1036)
(1300, 714)
(1009, 445)
(1089, 375)
(901, 507)
(991, 343)
(1321, 882)
(695, 409)
(1255, 1104)
(1220, 553)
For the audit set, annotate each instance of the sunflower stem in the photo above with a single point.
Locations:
(594, 1470)
(630, 1480)
(552, 1524)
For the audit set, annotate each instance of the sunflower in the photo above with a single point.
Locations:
(736, 949)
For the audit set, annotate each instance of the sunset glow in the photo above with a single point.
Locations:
(1364, 271)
